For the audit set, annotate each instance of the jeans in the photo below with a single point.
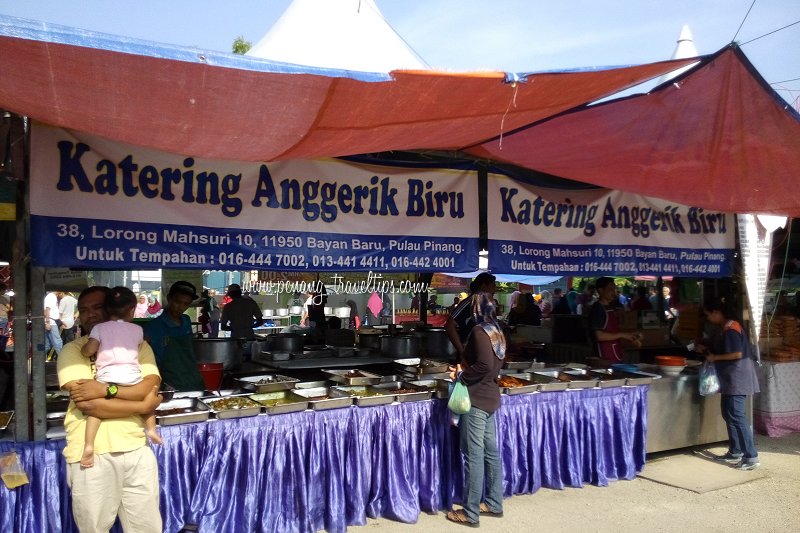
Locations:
(479, 446)
(52, 338)
(740, 436)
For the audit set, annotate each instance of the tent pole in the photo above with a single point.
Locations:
(19, 268)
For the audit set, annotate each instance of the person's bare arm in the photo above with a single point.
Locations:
(119, 408)
(90, 348)
(88, 389)
(607, 336)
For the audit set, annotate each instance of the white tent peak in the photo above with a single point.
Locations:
(685, 48)
(686, 35)
(342, 34)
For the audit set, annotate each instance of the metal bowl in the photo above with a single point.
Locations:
(223, 350)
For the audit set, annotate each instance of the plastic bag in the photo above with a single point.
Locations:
(709, 382)
(459, 399)
(11, 471)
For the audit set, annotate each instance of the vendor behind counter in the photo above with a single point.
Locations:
(170, 336)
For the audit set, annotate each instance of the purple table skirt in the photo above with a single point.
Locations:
(326, 470)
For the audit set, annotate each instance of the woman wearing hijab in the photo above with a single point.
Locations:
(483, 357)
(546, 305)
(355, 320)
(154, 307)
(141, 307)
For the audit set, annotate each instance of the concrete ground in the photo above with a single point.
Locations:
(768, 504)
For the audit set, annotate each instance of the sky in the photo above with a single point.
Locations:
(464, 35)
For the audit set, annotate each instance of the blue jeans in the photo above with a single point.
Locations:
(479, 446)
(52, 339)
(740, 436)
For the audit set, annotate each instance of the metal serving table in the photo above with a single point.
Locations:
(678, 417)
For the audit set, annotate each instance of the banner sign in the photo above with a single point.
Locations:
(100, 204)
(539, 231)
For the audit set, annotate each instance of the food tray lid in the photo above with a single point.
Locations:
(342, 372)
(269, 378)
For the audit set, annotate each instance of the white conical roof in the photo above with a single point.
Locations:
(343, 34)
(685, 48)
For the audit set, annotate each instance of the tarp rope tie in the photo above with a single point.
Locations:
(512, 103)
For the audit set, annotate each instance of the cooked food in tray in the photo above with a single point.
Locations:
(267, 383)
(511, 382)
(233, 402)
(360, 391)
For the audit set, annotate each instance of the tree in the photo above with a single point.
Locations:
(241, 46)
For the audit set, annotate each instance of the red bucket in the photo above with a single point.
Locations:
(211, 374)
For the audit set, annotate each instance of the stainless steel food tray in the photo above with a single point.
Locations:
(312, 384)
(517, 365)
(404, 376)
(293, 405)
(420, 367)
(224, 393)
(267, 383)
(636, 378)
(580, 379)
(319, 398)
(439, 387)
(213, 405)
(55, 420)
(627, 378)
(56, 402)
(607, 379)
(340, 376)
(421, 394)
(188, 394)
(363, 395)
(528, 386)
(548, 380)
(199, 412)
(6, 422)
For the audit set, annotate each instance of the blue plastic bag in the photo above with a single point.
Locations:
(709, 382)
(459, 399)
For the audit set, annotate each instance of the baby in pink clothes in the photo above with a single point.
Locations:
(116, 344)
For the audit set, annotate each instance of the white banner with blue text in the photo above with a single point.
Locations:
(101, 204)
(597, 232)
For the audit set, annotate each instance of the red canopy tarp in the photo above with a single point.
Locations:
(224, 106)
(717, 137)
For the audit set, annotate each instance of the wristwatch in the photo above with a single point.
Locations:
(111, 391)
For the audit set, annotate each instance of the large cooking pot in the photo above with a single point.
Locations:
(226, 351)
(282, 311)
(401, 346)
(342, 312)
(286, 342)
(296, 310)
(438, 345)
(369, 340)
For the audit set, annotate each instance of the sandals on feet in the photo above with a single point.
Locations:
(458, 517)
(485, 511)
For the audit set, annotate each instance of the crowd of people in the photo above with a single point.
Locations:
(62, 317)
